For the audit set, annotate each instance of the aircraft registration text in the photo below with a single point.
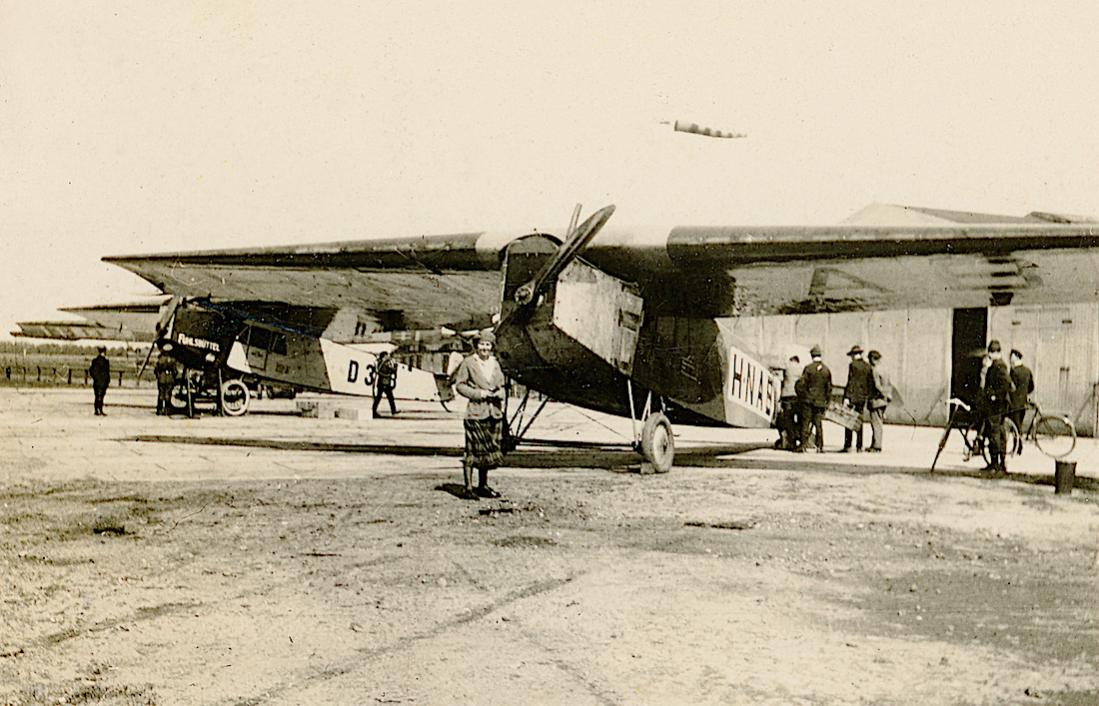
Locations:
(751, 384)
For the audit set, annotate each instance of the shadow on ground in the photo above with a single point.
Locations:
(608, 457)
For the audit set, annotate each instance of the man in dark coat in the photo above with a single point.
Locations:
(817, 382)
(100, 371)
(385, 379)
(1023, 381)
(165, 372)
(856, 393)
(996, 395)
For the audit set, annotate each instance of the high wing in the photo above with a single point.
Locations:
(407, 283)
(77, 331)
(131, 321)
(709, 271)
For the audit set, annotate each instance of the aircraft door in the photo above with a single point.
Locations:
(257, 346)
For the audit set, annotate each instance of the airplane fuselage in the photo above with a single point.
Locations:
(593, 341)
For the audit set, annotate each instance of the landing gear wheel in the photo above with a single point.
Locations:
(657, 442)
(234, 398)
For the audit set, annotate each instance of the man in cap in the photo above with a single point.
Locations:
(996, 392)
(100, 371)
(165, 373)
(1022, 381)
(385, 379)
(817, 382)
(856, 393)
(881, 394)
(480, 379)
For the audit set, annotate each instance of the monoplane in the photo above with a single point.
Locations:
(634, 322)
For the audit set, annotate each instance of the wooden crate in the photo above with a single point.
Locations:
(843, 415)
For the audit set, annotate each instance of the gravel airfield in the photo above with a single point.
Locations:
(272, 559)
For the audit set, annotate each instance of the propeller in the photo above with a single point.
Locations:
(577, 239)
(162, 325)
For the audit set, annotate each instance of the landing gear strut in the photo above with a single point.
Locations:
(655, 442)
(514, 429)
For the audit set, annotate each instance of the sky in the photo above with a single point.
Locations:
(137, 127)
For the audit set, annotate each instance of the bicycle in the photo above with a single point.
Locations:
(1053, 434)
(972, 431)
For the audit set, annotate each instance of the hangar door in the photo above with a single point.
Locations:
(968, 340)
(1054, 347)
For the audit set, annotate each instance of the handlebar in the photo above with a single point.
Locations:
(958, 402)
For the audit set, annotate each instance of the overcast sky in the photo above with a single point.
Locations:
(132, 127)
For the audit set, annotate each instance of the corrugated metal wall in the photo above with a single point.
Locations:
(1060, 344)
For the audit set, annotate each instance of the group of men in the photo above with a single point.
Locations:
(1004, 394)
(807, 391)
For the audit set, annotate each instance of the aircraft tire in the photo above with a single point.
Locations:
(658, 443)
(234, 398)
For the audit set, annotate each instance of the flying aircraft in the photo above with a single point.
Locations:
(638, 322)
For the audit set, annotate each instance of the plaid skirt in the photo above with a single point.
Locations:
(483, 443)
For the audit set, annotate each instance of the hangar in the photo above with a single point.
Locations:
(934, 354)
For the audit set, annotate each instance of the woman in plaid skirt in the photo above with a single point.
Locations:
(480, 379)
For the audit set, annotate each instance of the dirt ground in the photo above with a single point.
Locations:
(173, 570)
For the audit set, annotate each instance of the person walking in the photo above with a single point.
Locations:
(856, 393)
(100, 371)
(996, 395)
(481, 380)
(880, 395)
(165, 373)
(817, 380)
(1022, 392)
(385, 379)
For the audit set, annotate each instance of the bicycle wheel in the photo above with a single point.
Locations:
(1055, 436)
(1011, 436)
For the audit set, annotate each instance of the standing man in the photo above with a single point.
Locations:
(481, 380)
(817, 379)
(165, 372)
(1023, 381)
(881, 394)
(100, 370)
(997, 391)
(385, 379)
(856, 393)
(789, 431)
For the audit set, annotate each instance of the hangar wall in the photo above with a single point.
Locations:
(1059, 343)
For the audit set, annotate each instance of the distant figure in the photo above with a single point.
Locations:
(100, 371)
(1022, 393)
(165, 372)
(996, 395)
(788, 429)
(881, 394)
(480, 379)
(856, 393)
(817, 379)
(385, 379)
